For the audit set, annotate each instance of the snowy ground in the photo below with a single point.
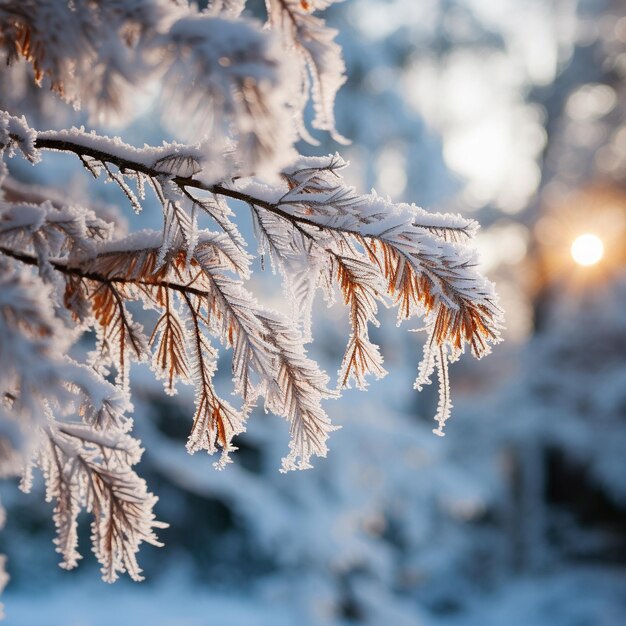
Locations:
(98, 604)
(578, 597)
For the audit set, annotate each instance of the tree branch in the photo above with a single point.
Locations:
(74, 270)
(134, 165)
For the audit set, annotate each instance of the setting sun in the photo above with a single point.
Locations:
(587, 249)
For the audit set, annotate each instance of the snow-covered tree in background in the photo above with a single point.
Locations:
(238, 90)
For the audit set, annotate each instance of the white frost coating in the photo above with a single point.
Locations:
(304, 386)
(319, 57)
(229, 71)
(217, 70)
(171, 159)
(44, 384)
(424, 260)
(15, 132)
(92, 62)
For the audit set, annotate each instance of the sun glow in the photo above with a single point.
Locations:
(587, 249)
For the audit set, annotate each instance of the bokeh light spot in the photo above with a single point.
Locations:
(587, 249)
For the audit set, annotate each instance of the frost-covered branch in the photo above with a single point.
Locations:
(240, 89)
(373, 249)
(42, 390)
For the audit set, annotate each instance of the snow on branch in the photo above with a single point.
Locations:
(85, 51)
(236, 67)
(418, 261)
(86, 464)
(321, 65)
(222, 77)
(89, 468)
(372, 249)
(240, 90)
